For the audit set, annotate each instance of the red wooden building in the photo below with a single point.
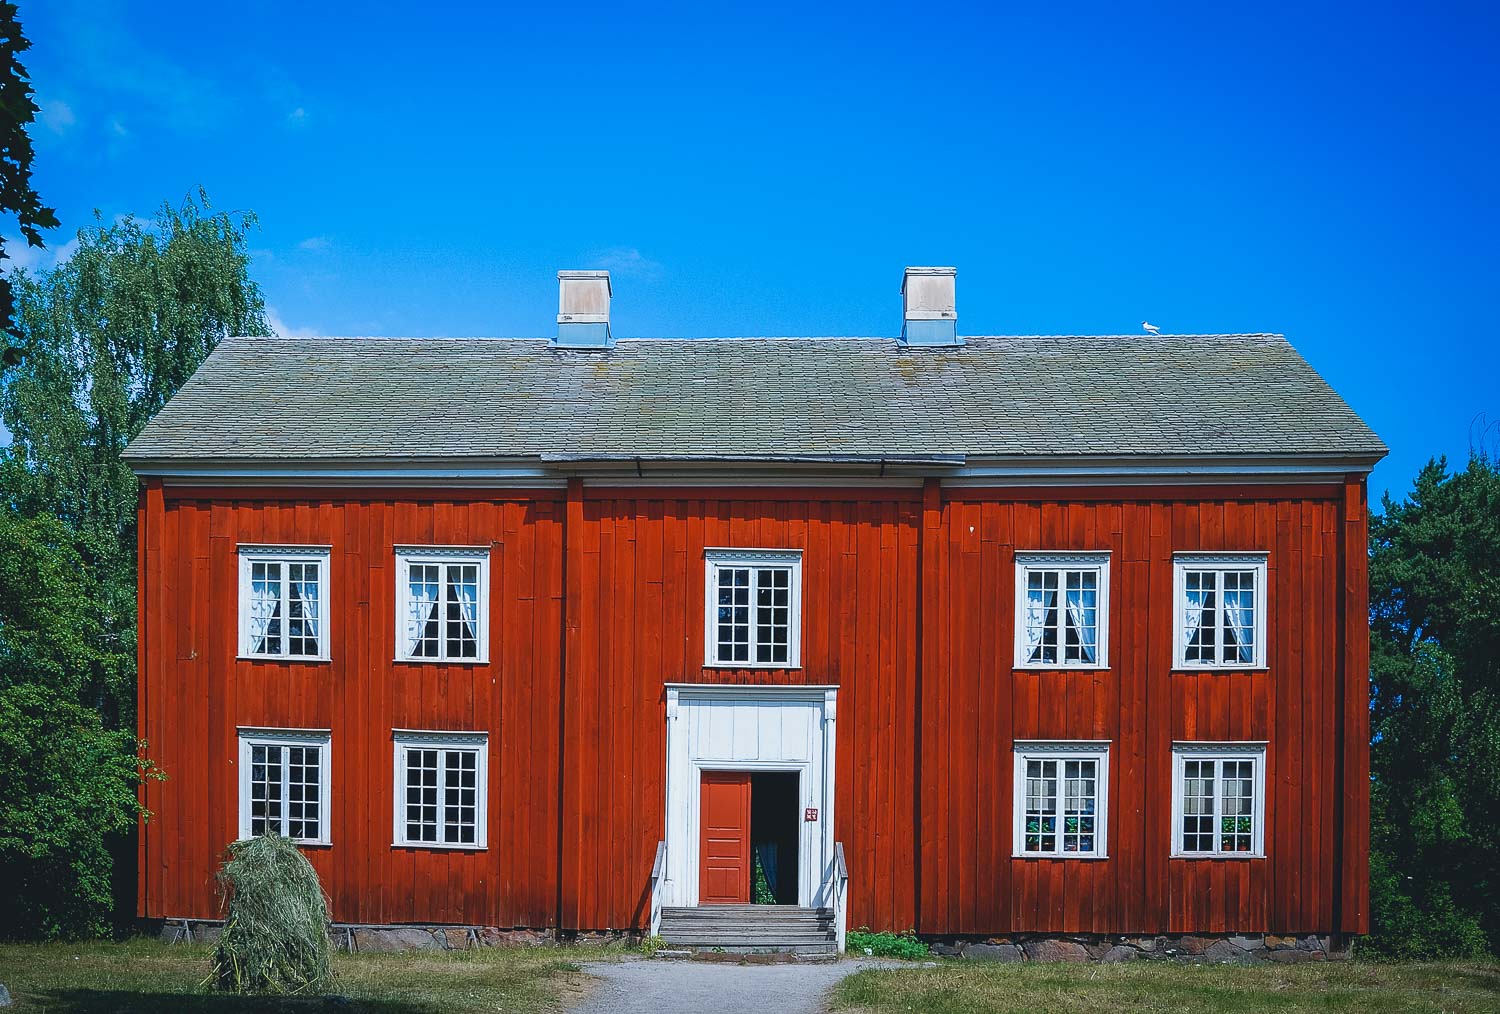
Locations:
(1039, 635)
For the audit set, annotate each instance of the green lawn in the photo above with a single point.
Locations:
(957, 987)
(147, 976)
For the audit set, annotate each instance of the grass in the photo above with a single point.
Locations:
(957, 987)
(148, 976)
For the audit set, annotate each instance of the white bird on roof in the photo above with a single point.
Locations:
(1151, 328)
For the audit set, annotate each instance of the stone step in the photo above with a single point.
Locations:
(708, 950)
(767, 942)
(670, 930)
(747, 909)
(735, 921)
(761, 930)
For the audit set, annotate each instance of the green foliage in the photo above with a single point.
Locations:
(905, 946)
(1435, 713)
(69, 782)
(18, 111)
(109, 336)
(275, 937)
(650, 945)
(763, 895)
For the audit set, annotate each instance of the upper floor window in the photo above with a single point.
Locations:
(1062, 610)
(441, 788)
(1218, 799)
(442, 604)
(1061, 797)
(1221, 610)
(284, 784)
(754, 607)
(283, 596)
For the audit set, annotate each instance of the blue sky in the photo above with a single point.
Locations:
(1327, 173)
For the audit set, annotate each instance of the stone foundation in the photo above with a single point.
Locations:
(385, 939)
(1238, 948)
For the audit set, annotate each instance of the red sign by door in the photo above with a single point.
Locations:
(810, 814)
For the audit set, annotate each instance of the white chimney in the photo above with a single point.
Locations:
(930, 310)
(583, 310)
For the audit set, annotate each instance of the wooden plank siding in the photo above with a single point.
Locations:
(196, 693)
(975, 705)
(597, 602)
(640, 625)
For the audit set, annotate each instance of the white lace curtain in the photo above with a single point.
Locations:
(1040, 603)
(1238, 616)
(265, 609)
(303, 602)
(467, 594)
(421, 607)
(1084, 616)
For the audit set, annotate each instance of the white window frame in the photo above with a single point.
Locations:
(1249, 751)
(319, 739)
(1220, 563)
(413, 739)
(1030, 561)
(249, 555)
(440, 556)
(1060, 751)
(716, 559)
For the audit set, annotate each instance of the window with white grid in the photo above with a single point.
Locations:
(283, 602)
(1218, 799)
(440, 789)
(284, 784)
(1220, 610)
(442, 604)
(1061, 799)
(753, 608)
(1062, 610)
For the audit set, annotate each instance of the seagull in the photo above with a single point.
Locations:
(1150, 328)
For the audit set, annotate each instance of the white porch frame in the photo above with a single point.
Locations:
(689, 707)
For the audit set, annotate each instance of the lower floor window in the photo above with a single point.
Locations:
(1218, 799)
(441, 789)
(284, 784)
(1061, 791)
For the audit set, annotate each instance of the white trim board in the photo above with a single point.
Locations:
(1254, 751)
(1024, 750)
(1255, 563)
(734, 727)
(403, 740)
(1027, 561)
(318, 739)
(752, 560)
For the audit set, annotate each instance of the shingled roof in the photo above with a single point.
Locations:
(753, 398)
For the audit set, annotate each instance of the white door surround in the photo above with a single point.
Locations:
(719, 727)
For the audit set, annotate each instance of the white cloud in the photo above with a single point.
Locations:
(118, 129)
(627, 262)
(314, 244)
(297, 117)
(19, 254)
(103, 54)
(285, 330)
(57, 116)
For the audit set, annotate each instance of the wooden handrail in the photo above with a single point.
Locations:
(840, 895)
(658, 871)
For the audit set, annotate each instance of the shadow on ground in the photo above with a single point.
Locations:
(108, 1001)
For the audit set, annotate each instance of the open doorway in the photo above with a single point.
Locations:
(775, 833)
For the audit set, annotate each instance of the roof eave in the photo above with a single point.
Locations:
(956, 469)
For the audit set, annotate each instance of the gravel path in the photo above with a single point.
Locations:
(663, 986)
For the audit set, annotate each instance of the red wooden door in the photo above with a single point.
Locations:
(724, 846)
